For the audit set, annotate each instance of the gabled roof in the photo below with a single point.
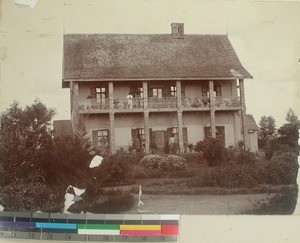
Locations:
(250, 123)
(138, 57)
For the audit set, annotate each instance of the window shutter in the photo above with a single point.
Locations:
(151, 134)
(93, 92)
(168, 135)
(185, 137)
(221, 134)
(205, 89)
(207, 132)
(94, 137)
(134, 138)
(182, 90)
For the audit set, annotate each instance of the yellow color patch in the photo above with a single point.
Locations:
(139, 227)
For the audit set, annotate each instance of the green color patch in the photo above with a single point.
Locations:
(99, 226)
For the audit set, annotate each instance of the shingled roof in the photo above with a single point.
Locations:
(90, 57)
(250, 123)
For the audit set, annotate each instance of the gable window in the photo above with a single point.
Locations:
(100, 138)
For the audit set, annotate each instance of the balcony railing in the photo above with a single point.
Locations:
(123, 104)
(163, 102)
(195, 102)
(227, 102)
(93, 104)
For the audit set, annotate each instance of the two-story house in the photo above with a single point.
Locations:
(139, 90)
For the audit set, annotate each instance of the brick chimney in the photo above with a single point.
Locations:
(177, 30)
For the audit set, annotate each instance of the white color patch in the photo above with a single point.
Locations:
(96, 161)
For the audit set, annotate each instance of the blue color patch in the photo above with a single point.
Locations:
(55, 226)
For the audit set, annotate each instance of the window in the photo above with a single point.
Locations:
(217, 90)
(173, 91)
(138, 138)
(220, 133)
(99, 93)
(101, 138)
(205, 91)
(141, 137)
(157, 92)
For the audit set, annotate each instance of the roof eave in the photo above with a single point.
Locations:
(67, 80)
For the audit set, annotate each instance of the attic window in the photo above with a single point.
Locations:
(177, 30)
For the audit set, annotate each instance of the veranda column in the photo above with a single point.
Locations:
(212, 109)
(146, 117)
(243, 111)
(179, 117)
(111, 118)
(74, 104)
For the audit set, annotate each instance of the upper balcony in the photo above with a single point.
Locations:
(156, 104)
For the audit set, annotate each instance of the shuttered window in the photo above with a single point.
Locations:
(220, 133)
(100, 138)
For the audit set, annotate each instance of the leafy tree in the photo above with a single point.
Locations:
(25, 141)
(25, 150)
(71, 157)
(266, 131)
(289, 132)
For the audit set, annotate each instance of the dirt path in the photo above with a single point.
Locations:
(198, 204)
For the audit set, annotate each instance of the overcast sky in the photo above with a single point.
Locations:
(265, 35)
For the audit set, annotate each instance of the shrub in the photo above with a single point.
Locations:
(152, 160)
(104, 201)
(244, 157)
(282, 169)
(172, 163)
(115, 169)
(20, 196)
(282, 203)
(194, 159)
(212, 150)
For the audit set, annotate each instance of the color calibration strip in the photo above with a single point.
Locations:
(90, 227)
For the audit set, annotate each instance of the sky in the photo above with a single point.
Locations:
(264, 35)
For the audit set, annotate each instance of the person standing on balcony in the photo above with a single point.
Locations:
(129, 98)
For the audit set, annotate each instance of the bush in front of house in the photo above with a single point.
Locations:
(172, 163)
(212, 150)
(230, 176)
(104, 201)
(114, 169)
(31, 196)
(282, 169)
(152, 161)
(194, 159)
(244, 157)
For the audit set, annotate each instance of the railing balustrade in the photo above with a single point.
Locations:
(134, 103)
(227, 102)
(162, 102)
(89, 105)
(188, 102)
(94, 104)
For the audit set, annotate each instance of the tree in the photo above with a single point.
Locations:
(25, 141)
(266, 131)
(289, 132)
(25, 150)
